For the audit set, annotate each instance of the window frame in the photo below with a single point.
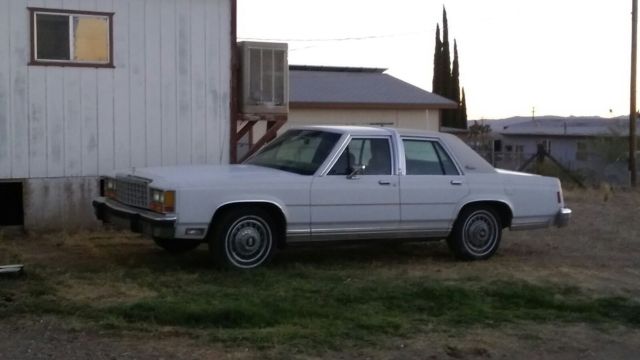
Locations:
(444, 148)
(345, 145)
(33, 11)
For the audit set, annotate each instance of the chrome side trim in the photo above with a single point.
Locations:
(364, 234)
(529, 226)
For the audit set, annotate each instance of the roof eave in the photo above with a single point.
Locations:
(377, 106)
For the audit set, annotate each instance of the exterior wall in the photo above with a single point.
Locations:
(166, 102)
(412, 119)
(563, 149)
(60, 203)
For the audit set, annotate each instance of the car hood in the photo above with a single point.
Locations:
(202, 176)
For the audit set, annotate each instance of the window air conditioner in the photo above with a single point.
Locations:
(264, 78)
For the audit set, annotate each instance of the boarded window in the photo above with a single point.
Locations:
(71, 38)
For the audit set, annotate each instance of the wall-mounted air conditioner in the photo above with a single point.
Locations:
(264, 78)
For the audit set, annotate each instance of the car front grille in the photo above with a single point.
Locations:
(132, 191)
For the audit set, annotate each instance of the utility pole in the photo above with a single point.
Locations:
(633, 112)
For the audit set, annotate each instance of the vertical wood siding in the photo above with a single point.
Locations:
(165, 103)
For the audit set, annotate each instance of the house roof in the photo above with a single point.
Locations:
(561, 126)
(344, 87)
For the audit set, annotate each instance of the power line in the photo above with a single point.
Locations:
(329, 39)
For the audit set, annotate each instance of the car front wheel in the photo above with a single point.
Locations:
(243, 238)
(476, 233)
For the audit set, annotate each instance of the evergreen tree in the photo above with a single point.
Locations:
(461, 113)
(446, 77)
(446, 56)
(455, 75)
(436, 85)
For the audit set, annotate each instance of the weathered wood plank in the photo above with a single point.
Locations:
(106, 136)
(19, 89)
(153, 73)
(121, 115)
(137, 84)
(5, 95)
(55, 123)
(106, 155)
(224, 80)
(168, 69)
(37, 122)
(89, 122)
(198, 81)
(183, 41)
(37, 117)
(212, 72)
(73, 127)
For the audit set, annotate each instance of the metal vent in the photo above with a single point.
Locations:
(132, 191)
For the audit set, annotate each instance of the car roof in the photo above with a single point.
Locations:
(470, 161)
(370, 130)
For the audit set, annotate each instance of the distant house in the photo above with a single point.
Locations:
(580, 143)
(360, 96)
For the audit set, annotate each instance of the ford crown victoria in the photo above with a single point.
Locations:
(333, 183)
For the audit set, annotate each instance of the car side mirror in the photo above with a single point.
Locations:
(357, 170)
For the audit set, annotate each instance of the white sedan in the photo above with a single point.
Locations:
(333, 183)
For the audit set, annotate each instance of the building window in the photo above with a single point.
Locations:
(71, 38)
(520, 149)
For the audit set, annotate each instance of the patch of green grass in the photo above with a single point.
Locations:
(311, 307)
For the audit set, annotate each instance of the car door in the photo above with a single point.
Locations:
(350, 203)
(431, 188)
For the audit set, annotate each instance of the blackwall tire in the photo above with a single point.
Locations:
(243, 238)
(476, 234)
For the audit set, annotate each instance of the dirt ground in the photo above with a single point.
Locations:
(599, 253)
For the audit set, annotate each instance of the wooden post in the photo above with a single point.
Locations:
(633, 111)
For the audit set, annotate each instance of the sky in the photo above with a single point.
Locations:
(561, 57)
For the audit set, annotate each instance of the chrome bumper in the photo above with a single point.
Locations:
(134, 219)
(563, 217)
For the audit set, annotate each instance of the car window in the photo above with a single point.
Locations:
(373, 153)
(298, 151)
(425, 157)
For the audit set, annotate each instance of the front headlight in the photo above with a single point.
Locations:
(110, 187)
(163, 200)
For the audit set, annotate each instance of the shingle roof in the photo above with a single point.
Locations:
(315, 86)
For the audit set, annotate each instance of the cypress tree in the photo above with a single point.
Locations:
(436, 85)
(461, 117)
(446, 57)
(446, 77)
(455, 75)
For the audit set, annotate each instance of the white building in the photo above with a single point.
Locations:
(360, 96)
(88, 86)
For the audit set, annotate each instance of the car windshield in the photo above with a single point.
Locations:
(298, 151)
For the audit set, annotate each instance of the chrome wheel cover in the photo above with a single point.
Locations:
(480, 233)
(248, 242)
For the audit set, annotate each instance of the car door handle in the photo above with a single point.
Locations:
(384, 182)
(455, 182)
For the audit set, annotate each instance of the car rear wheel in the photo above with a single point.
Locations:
(177, 246)
(476, 233)
(243, 238)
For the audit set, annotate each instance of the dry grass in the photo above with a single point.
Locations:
(598, 255)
